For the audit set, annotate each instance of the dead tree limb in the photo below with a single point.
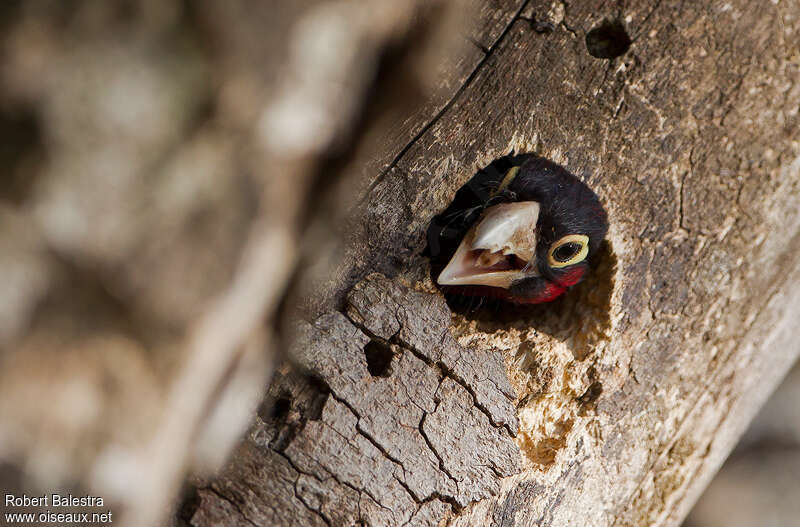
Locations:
(630, 392)
(181, 175)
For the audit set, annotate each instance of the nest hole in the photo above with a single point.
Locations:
(580, 316)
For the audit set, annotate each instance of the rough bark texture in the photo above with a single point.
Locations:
(632, 389)
(171, 163)
(390, 441)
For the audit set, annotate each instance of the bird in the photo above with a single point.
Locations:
(521, 230)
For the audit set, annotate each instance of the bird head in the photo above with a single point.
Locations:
(528, 236)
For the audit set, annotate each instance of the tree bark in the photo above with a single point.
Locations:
(623, 398)
(278, 131)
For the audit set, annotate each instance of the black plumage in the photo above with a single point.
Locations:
(567, 207)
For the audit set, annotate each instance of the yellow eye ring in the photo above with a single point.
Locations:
(571, 249)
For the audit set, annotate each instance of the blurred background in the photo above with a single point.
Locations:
(161, 160)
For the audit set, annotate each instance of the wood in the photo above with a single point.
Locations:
(182, 178)
(631, 391)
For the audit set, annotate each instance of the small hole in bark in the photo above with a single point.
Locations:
(379, 358)
(281, 407)
(275, 410)
(301, 399)
(608, 40)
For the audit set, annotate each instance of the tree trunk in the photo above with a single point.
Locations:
(181, 176)
(613, 406)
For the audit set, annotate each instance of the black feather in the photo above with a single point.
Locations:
(567, 206)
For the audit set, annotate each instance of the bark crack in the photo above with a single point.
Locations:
(449, 373)
(442, 466)
(233, 504)
(680, 200)
(681, 205)
(337, 480)
(451, 500)
(444, 370)
(311, 509)
(471, 77)
(565, 5)
(377, 445)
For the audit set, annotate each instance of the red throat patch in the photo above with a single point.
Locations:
(572, 277)
(548, 294)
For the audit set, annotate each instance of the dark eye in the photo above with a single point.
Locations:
(565, 252)
(569, 250)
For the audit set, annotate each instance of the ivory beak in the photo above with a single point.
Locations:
(491, 252)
